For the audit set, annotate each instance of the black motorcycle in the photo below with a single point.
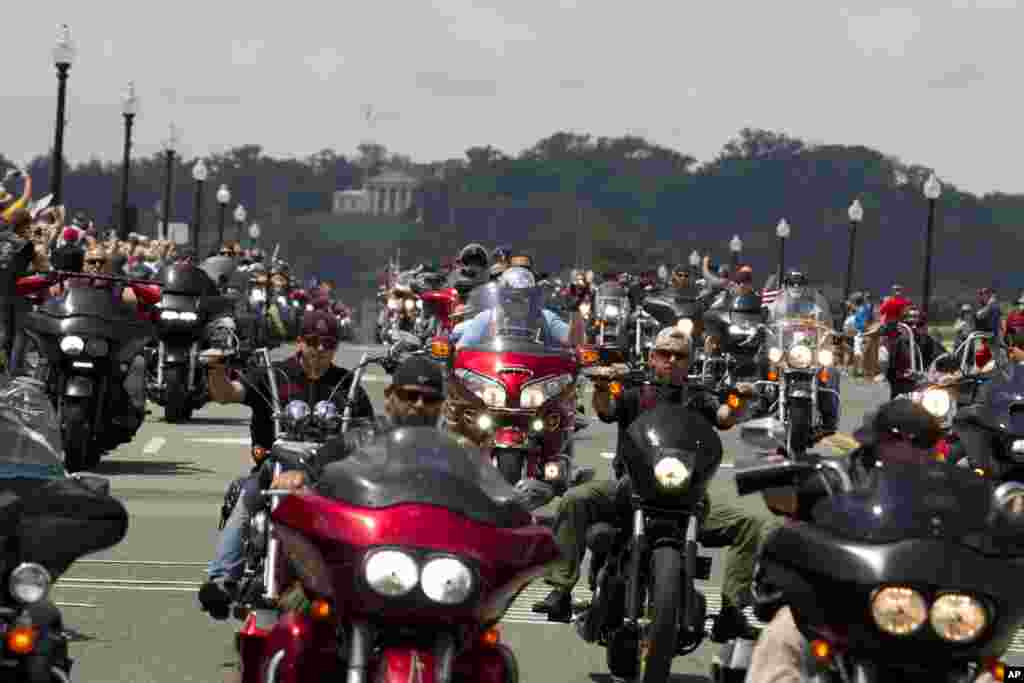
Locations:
(669, 308)
(991, 431)
(646, 608)
(740, 327)
(190, 300)
(87, 341)
(40, 540)
(914, 576)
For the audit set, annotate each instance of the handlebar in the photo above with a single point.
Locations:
(788, 473)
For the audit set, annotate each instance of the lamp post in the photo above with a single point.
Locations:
(223, 197)
(735, 246)
(856, 214)
(782, 232)
(63, 55)
(695, 264)
(932, 190)
(129, 107)
(254, 232)
(239, 220)
(199, 174)
(169, 149)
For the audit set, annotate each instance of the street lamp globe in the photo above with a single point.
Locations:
(240, 214)
(782, 229)
(736, 244)
(129, 100)
(199, 172)
(223, 195)
(64, 49)
(173, 138)
(900, 177)
(694, 258)
(254, 231)
(856, 211)
(932, 187)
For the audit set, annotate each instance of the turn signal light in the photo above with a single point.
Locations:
(980, 472)
(21, 640)
(259, 453)
(491, 637)
(996, 668)
(823, 375)
(320, 610)
(615, 388)
(733, 401)
(589, 356)
(439, 348)
(773, 376)
(822, 650)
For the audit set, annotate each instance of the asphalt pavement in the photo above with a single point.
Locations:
(133, 609)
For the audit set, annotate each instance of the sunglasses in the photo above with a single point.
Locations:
(226, 253)
(322, 343)
(414, 395)
(94, 262)
(673, 356)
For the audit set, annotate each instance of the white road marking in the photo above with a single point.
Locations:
(74, 604)
(224, 440)
(607, 455)
(154, 445)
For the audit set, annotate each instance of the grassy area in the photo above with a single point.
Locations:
(945, 334)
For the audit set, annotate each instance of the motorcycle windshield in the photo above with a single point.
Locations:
(421, 465)
(1000, 401)
(28, 429)
(219, 268)
(611, 303)
(513, 316)
(90, 303)
(184, 278)
(671, 431)
(800, 320)
(917, 501)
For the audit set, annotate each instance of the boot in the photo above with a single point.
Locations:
(216, 596)
(731, 623)
(557, 605)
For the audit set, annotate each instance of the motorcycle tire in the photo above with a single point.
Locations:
(178, 408)
(76, 434)
(510, 464)
(666, 597)
(801, 423)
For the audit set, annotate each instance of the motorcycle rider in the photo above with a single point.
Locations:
(594, 502)
(900, 431)
(413, 399)
(16, 256)
(517, 277)
(986, 318)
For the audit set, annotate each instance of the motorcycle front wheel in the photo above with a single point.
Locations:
(510, 464)
(177, 408)
(76, 433)
(659, 643)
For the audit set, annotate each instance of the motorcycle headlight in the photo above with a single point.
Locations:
(257, 296)
(297, 410)
(188, 316)
(736, 330)
(672, 474)
(937, 402)
(393, 303)
(897, 610)
(484, 422)
(610, 311)
(72, 345)
(29, 583)
(295, 303)
(325, 410)
(535, 395)
(391, 573)
(826, 358)
(410, 305)
(446, 580)
(169, 315)
(258, 530)
(685, 325)
(585, 308)
(309, 307)
(419, 303)
(800, 356)
(775, 354)
(958, 618)
(492, 393)
(97, 347)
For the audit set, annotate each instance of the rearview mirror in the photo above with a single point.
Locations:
(766, 433)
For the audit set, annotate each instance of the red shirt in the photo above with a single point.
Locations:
(893, 308)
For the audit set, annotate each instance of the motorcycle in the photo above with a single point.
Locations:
(190, 301)
(298, 299)
(388, 603)
(346, 331)
(920, 567)
(87, 341)
(41, 543)
(801, 369)
(646, 608)
(667, 309)
(611, 315)
(741, 332)
(514, 392)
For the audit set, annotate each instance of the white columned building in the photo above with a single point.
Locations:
(390, 193)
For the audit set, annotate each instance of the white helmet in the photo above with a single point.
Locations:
(517, 278)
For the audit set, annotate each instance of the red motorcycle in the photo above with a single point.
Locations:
(409, 551)
(513, 390)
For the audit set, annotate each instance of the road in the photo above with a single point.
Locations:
(133, 609)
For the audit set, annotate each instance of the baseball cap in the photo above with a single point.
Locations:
(421, 372)
(904, 418)
(672, 340)
(319, 323)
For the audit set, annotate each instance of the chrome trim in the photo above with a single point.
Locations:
(273, 665)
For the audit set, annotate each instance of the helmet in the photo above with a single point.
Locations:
(517, 278)
(502, 253)
(474, 255)
(794, 278)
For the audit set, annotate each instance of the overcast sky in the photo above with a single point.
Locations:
(934, 82)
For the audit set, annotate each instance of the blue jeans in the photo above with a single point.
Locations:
(228, 561)
(828, 403)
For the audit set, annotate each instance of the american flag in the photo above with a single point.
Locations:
(768, 296)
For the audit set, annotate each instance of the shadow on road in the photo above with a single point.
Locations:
(216, 421)
(74, 636)
(152, 468)
(673, 678)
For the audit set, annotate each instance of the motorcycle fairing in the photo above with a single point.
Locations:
(514, 369)
(88, 312)
(184, 278)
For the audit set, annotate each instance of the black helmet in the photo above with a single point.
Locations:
(474, 255)
(794, 278)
